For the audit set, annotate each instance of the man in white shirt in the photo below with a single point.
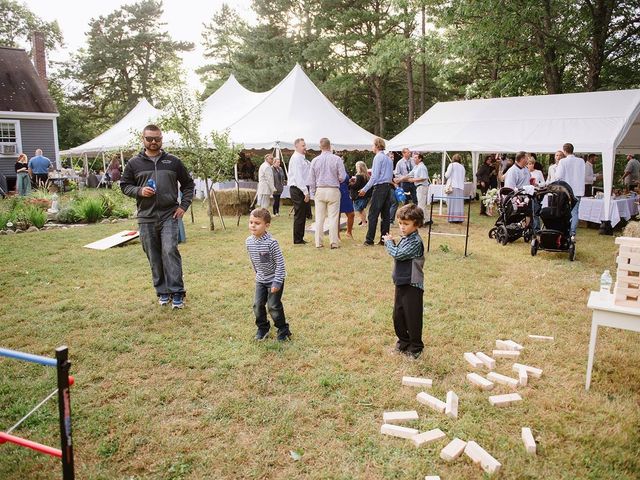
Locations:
(518, 174)
(589, 176)
(419, 177)
(631, 176)
(571, 170)
(298, 175)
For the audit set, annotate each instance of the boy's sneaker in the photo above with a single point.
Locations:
(178, 300)
(413, 355)
(261, 335)
(164, 299)
(283, 335)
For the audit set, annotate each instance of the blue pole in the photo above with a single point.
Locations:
(27, 357)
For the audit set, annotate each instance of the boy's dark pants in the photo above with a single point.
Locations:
(273, 301)
(407, 318)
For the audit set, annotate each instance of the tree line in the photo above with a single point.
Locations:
(382, 62)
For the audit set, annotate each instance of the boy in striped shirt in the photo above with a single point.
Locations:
(268, 263)
(408, 277)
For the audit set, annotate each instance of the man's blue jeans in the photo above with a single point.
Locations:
(574, 217)
(160, 243)
(273, 301)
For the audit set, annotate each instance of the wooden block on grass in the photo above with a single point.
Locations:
(531, 371)
(523, 378)
(480, 456)
(528, 440)
(479, 381)
(417, 382)
(398, 417)
(474, 361)
(503, 379)
(514, 345)
(489, 362)
(428, 437)
(398, 431)
(504, 400)
(506, 353)
(431, 401)
(432, 477)
(542, 338)
(453, 450)
(451, 410)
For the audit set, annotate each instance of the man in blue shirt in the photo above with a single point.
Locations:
(381, 197)
(39, 168)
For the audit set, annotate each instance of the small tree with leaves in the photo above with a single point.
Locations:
(211, 156)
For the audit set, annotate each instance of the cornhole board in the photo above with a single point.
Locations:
(312, 227)
(116, 240)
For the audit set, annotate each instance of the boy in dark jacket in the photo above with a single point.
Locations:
(152, 178)
(408, 277)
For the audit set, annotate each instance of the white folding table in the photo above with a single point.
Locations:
(608, 314)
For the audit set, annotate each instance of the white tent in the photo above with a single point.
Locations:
(227, 104)
(594, 122)
(119, 136)
(296, 108)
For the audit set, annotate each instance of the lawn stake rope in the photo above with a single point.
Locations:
(62, 364)
(466, 217)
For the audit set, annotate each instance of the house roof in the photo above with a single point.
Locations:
(21, 90)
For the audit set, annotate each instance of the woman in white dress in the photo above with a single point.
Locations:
(266, 186)
(536, 175)
(455, 177)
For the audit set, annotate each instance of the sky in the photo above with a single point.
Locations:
(183, 18)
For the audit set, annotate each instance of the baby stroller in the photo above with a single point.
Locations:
(557, 201)
(514, 216)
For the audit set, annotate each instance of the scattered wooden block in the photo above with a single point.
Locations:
(428, 437)
(489, 362)
(432, 477)
(504, 400)
(541, 338)
(480, 456)
(432, 402)
(398, 417)
(417, 382)
(503, 379)
(506, 353)
(514, 345)
(451, 410)
(453, 450)
(474, 361)
(479, 381)
(398, 431)
(531, 371)
(529, 442)
(523, 378)
(503, 345)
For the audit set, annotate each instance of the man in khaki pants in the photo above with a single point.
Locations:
(326, 173)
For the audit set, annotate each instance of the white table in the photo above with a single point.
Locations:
(592, 209)
(607, 314)
(436, 191)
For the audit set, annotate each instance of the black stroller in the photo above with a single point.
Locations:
(515, 208)
(555, 215)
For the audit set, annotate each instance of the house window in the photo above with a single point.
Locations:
(8, 138)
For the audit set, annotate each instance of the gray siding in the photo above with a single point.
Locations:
(35, 134)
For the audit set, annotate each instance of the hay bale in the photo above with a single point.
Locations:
(228, 201)
(632, 230)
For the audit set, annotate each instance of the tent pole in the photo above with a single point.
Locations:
(608, 162)
(235, 176)
(475, 156)
(444, 158)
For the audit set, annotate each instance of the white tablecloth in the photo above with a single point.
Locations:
(592, 209)
(436, 190)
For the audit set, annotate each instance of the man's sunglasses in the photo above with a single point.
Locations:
(152, 139)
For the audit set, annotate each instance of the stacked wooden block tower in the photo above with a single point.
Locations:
(627, 288)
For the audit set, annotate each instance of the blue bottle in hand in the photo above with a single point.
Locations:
(151, 183)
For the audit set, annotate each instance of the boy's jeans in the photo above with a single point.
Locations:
(160, 243)
(273, 301)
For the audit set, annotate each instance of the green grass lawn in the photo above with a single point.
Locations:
(164, 394)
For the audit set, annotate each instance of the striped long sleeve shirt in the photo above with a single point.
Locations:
(408, 248)
(267, 260)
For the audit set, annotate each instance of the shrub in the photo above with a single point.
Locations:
(67, 214)
(5, 217)
(89, 209)
(35, 215)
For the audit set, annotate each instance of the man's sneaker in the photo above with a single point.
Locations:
(283, 335)
(178, 301)
(164, 299)
(261, 335)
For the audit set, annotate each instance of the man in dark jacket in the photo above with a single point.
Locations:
(152, 178)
